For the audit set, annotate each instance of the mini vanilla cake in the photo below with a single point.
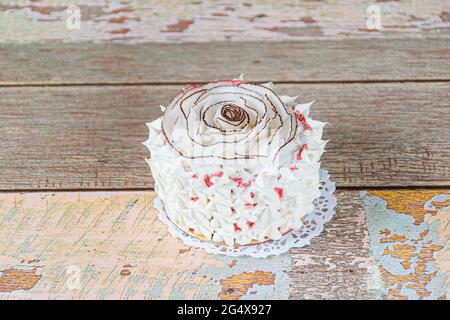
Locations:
(235, 163)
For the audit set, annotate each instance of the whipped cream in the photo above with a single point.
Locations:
(234, 162)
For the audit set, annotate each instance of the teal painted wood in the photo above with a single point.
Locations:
(410, 241)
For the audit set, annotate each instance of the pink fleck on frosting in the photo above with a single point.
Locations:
(279, 191)
(300, 151)
(208, 181)
(302, 119)
(194, 198)
(218, 174)
(293, 168)
(240, 182)
(250, 224)
(236, 227)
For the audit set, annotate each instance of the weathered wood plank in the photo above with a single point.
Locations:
(338, 264)
(394, 134)
(111, 245)
(314, 61)
(200, 21)
(389, 244)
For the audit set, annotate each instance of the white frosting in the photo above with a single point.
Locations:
(236, 163)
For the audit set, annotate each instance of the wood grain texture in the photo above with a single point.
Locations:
(204, 21)
(338, 264)
(314, 61)
(90, 137)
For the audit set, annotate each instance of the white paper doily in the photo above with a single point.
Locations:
(313, 225)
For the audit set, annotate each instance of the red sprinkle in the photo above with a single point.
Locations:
(252, 194)
(208, 181)
(237, 180)
(236, 227)
(194, 176)
(299, 153)
(218, 174)
(233, 210)
(194, 198)
(240, 182)
(302, 119)
(279, 191)
(250, 224)
(248, 205)
(293, 168)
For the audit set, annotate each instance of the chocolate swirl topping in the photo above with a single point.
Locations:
(233, 113)
(229, 120)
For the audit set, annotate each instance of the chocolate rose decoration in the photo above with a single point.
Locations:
(229, 120)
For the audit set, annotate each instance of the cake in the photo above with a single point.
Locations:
(234, 162)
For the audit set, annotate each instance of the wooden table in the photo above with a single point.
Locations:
(76, 215)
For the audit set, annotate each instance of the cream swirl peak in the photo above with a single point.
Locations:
(229, 120)
(263, 159)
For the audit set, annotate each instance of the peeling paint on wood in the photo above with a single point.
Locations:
(338, 264)
(407, 202)
(111, 245)
(440, 225)
(17, 279)
(410, 241)
(100, 245)
(204, 21)
(236, 286)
